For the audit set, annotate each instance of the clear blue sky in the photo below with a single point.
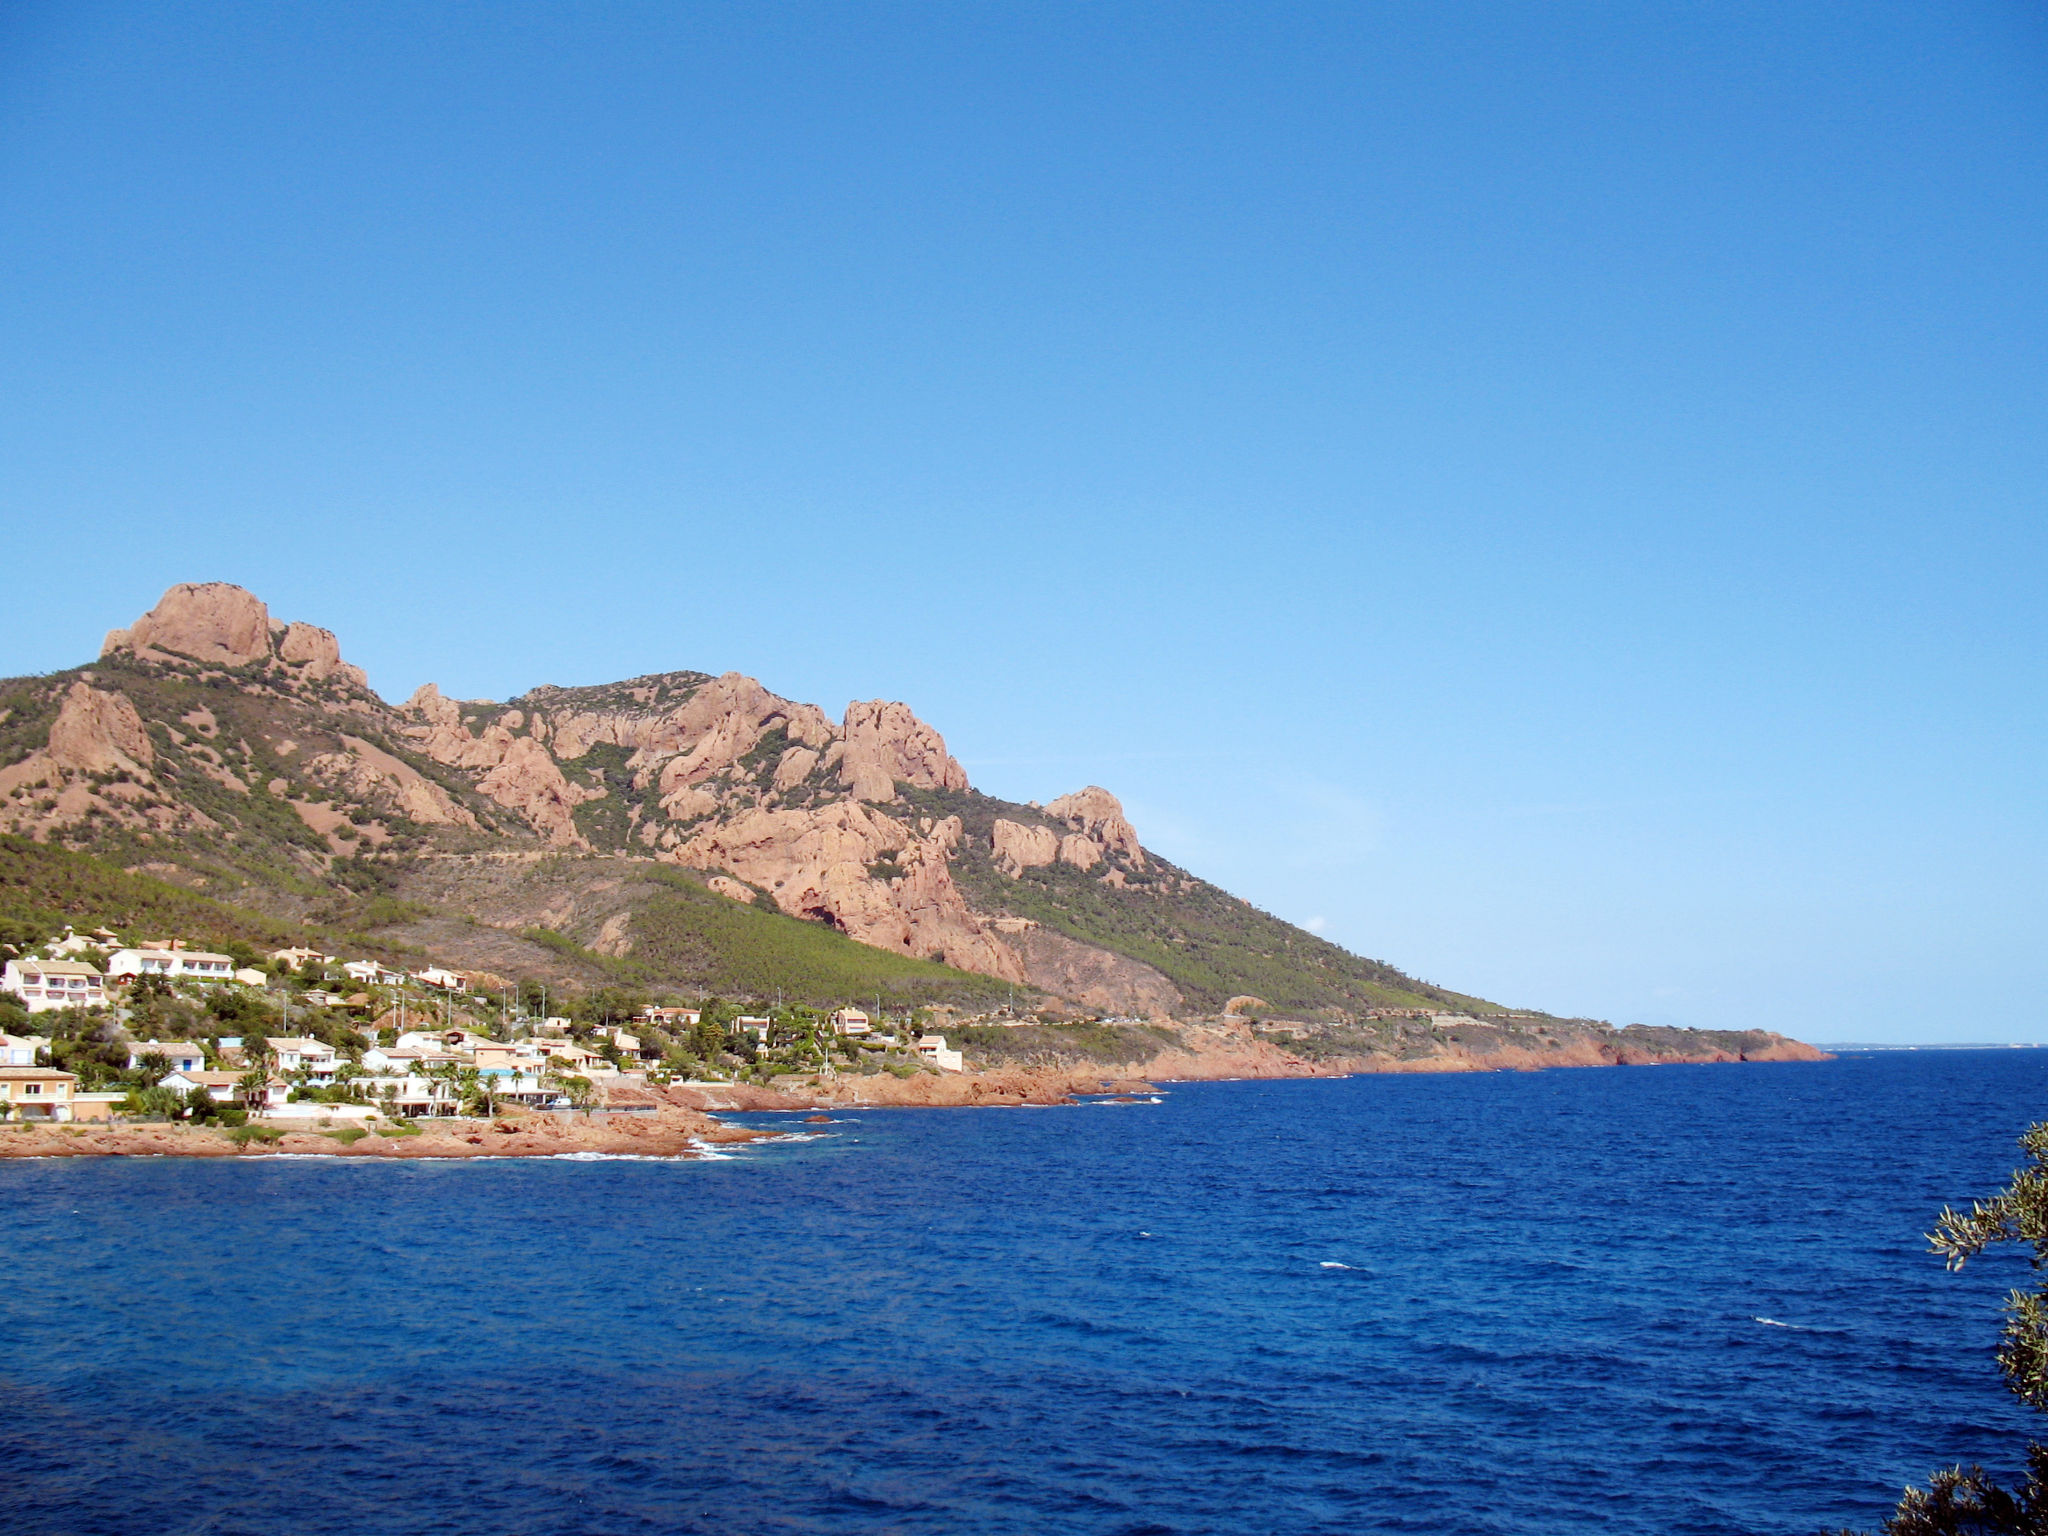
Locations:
(1550, 495)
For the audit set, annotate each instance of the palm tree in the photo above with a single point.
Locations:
(442, 1077)
(250, 1088)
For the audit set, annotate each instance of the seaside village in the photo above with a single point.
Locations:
(101, 1027)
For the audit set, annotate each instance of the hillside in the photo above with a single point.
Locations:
(674, 829)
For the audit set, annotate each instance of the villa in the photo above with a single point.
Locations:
(933, 1049)
(172, 964)
(45, 984)
(37, 1093)
(220, 1086)
(300, 1055)
(179, 1055)
(687, 1017)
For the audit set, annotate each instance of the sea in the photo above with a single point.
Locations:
(1670, 1299)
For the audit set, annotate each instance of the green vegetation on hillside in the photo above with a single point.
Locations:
(1207, 942)
(222, 738)
(692, 935)
(1062, 1046)
(44, 888)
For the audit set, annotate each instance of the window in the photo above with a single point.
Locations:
(32, 1090)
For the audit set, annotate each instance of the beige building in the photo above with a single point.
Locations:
(45, 984)
(95, 1106)
(20, 1050)
(37, 1093)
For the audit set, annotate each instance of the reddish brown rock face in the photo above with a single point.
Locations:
(99, 732)
(1019, 847)
(208, 621)
(221, 624)
(886, 745)
(1097, 817)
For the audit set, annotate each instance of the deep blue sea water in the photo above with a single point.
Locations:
(1550, 1317)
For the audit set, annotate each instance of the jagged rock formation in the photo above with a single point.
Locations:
(1100, 830)
(216, 622)
(215, 739)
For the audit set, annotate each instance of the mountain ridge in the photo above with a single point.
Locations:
(225, 750)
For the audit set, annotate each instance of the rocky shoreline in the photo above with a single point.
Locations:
(681, 1121)
(1227, 1052)
(671, 1131)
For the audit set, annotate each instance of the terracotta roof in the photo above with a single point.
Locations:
(35, 1074)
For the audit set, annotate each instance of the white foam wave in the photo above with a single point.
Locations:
(1332, 1264)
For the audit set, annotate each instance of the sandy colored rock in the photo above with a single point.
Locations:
(815, 863)
(530, 782)
(885, 744)
(368, 774)
(1098, 815)
(1080, 851)
(97, 732)
(731, 889)
(316, 655)
(795, 766)
(1096, 979)
(1018, 847)
(212, 621)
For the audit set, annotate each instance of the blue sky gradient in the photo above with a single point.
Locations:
(1550, 496)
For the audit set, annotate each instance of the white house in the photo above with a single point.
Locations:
(296, 1054)
(445, 980)
(933, 1049)
(442, 1040)
(629, 1045)
(170, 964)
(687, 1017)
(851, 1021)
(182, 1055)
(571, 1057)
(219, 1086)
(756, 1027)
(45, 984)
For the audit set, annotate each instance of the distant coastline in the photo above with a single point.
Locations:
(1943, 1045)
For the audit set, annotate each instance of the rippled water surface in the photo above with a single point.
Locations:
(1665, 1300)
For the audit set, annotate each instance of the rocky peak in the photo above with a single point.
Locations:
(1096, 817)
(887, 744)
(225, 625)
